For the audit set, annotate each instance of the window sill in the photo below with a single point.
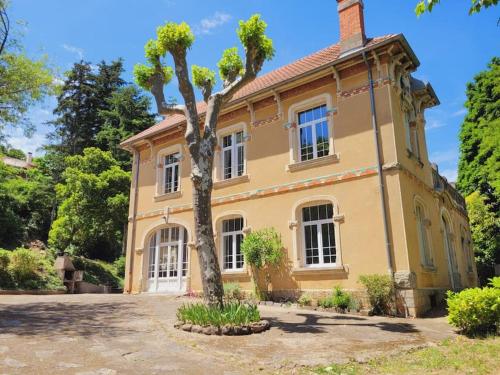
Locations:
(236, 273)
(327, 270)
(164, 197)
(301, 165)
(231, 181)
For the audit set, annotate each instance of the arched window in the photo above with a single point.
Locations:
(450, 252)
(318, 234)
(168, 259)
(423, 238)
(231, 238)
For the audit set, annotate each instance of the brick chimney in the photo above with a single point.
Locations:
(352, 24)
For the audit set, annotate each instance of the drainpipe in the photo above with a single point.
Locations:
(379, 167)
(137, 159)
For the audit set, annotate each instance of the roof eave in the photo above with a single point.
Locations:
(398, 37)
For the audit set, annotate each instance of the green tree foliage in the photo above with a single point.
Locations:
(479, 165)
(262, 250)
(84, 94)
(23, 81)
(126, 115)
(485, 228)
(477, 5)
(26, 204)
(93, 209)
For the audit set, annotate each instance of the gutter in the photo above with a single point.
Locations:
(390, 268)
(340, 60)
(137, 159)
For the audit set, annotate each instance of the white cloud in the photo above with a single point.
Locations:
(207, 25)
(76, 50)
(459, 113)
(434, 124)
(447, 156)
(17, 139)
(450, 174)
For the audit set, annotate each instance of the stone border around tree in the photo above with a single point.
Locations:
(255, 327)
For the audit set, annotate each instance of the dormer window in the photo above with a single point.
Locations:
(313, 133)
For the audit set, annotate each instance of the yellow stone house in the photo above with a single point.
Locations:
(330, 151)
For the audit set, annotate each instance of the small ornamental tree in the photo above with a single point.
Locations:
(176, 39)
(262, 249)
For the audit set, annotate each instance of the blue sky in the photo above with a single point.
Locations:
(452, 46)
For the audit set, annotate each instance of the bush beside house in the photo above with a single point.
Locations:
(24, 269)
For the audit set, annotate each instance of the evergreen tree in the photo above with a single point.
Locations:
(128, 114)
(84, 94)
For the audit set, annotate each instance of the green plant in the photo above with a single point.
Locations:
(24, 265)
(98, 272)
(4, 259)
(305, 300)
(119, 265)
(380, 290)
(341, 299)
(262, 250)
(495, 282)
(475, 311)
(234, 314)
(233, 292)
(6, 281)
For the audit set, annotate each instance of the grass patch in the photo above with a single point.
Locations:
(460, 355)
(234, 314)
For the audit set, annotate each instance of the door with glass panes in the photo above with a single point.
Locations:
(168, 260)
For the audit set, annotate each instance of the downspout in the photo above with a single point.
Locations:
(379, 168)
(137, 160)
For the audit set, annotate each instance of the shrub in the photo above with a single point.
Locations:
(475, 311)
(341, 299)
(379, 289)
(98, 272)
(119, 265)
(495, 282)
(305, 300)
(233, 292)
(24, 266)
(234, 314)
(262, 249)
(6, 281)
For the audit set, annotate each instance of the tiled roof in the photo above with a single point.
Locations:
(304, 65)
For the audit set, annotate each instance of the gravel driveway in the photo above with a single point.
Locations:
(122, 334)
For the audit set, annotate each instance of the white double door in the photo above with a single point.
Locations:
(167, 261)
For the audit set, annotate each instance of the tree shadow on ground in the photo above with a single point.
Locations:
(312, 324)
(71, 319)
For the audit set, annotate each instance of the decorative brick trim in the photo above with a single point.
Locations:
(272, 190)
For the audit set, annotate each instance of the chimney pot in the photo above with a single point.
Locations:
(29, 157)
(352, 24)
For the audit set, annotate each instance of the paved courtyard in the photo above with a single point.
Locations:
(120, 334)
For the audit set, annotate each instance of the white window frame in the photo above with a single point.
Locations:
(234, 148)
(161, 170)
(318, 224)
(312, 124)
(219, 156)
(294, 133)
(422, 230)
(232, 234)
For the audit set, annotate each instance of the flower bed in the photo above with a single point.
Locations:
(233, 319)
